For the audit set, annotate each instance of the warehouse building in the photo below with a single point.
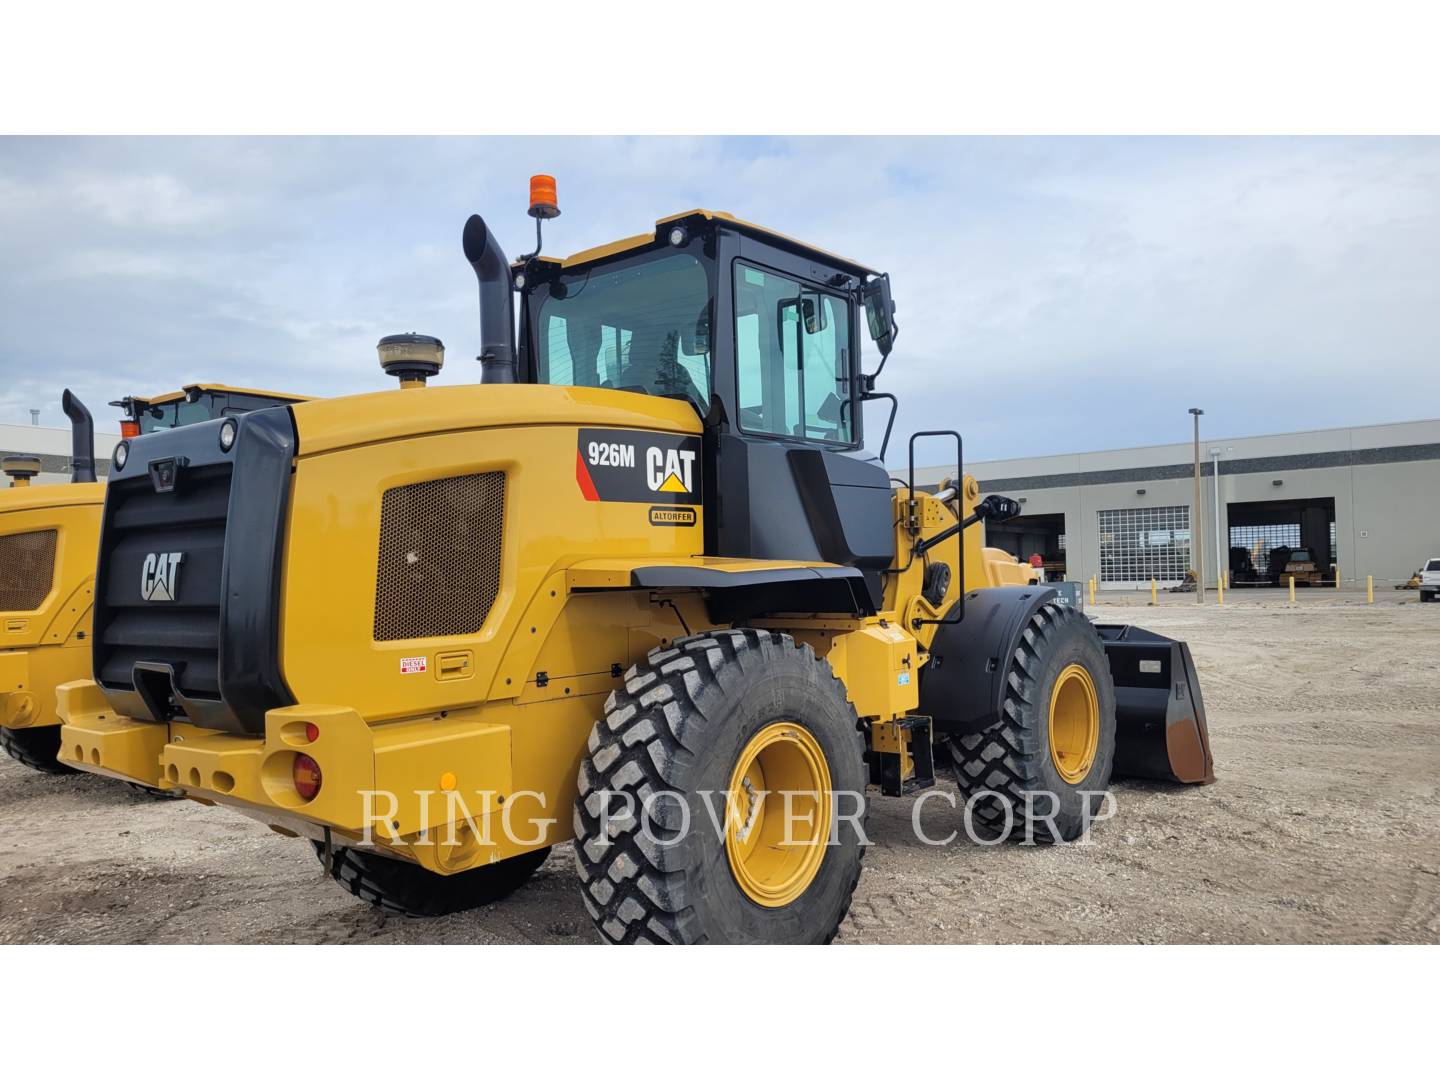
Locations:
(52, 447)
(1363, 499)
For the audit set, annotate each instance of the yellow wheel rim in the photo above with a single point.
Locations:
(1074, 723)
(773, 868)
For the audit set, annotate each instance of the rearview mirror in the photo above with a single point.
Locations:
(813, 311)
(998, 508)
(879, 312)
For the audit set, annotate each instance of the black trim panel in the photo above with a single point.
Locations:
(250, 678)
(746, 594)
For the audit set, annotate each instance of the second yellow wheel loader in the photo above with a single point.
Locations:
(643, 588)
(49, 534)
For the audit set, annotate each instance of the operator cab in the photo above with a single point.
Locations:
(761, 335)
(194, 404)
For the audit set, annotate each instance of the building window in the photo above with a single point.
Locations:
(1334, 548)
(1259, 539)
(1062, 542)
(1144, 543)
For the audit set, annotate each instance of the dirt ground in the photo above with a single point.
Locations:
(1323, 826)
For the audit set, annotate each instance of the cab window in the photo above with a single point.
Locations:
(792, 353)
(643, 327)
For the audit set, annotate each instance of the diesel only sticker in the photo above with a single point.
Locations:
(412, 665)
(638, 466)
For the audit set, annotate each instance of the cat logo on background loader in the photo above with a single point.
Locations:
(158, 575)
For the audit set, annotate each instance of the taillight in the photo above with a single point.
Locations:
(306, 774)
(312, 732)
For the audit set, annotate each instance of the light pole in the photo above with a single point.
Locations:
(1222, 554)
(1197, 546)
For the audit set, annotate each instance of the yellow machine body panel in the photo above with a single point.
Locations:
(48, 538)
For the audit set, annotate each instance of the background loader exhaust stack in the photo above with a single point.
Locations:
(82, 439)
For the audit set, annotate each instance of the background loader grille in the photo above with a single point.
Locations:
(439, 566)
(27, 567)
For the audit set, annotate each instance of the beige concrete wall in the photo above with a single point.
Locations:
(1387, 515)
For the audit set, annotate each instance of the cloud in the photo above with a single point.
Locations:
(1054, 294)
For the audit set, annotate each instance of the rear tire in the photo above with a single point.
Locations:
(406, 888)
(1426, 597)
(35, 748)
(1017, 763)
(715, 714)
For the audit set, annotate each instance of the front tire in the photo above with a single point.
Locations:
(698, 747)
(1051, 751)
(406, 888)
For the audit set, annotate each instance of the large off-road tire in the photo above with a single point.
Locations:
(699, 727)
(35, 747)
(1055, 736)
(406, 888)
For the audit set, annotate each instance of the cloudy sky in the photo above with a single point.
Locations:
(1054, 294)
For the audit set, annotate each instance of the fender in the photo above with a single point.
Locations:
(962, 685)
(737, 589)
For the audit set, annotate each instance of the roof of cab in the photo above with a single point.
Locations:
(616, 247)
(176, 395)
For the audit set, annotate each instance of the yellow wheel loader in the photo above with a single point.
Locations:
(642, 587)
(49, 534)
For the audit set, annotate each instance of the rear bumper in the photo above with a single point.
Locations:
(388, 782)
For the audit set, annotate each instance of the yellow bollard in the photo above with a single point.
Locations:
(1369, 588)
(1092, 591)
(1154, 598)
(1292, 588)
(1220, 590)
(1337, 578)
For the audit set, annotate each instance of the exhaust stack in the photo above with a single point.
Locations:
(82, 439)
(497, 303)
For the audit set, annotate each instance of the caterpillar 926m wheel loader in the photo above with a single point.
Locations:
(49, 534)
(641, 587)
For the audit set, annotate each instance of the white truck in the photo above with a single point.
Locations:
(1430, 581)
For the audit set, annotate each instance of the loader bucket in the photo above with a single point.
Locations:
(1160, 728)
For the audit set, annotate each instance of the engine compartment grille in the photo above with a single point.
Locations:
(27, 569)
(183, 632)
(439, 562)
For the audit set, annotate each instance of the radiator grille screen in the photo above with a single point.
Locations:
(439, 566)
(27, 568)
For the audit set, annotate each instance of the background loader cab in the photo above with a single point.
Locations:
(646, 564)
(48, 540)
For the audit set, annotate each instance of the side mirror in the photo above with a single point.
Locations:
(998, 508)
(879, 312)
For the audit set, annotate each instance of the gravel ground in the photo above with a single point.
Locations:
(1323, 827)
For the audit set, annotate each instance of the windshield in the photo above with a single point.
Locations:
(209, 406)
(173, 414)
(1433, 564)
(643, 328)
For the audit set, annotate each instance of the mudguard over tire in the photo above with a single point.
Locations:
(1050, 752)
(692, 726)
(35, 748)
(406, 888)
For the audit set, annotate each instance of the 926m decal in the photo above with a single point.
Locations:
(616, 465)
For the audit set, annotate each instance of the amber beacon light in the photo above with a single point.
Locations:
(543, 203)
